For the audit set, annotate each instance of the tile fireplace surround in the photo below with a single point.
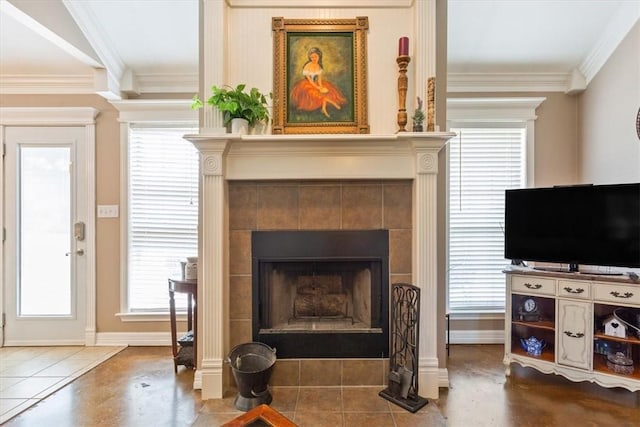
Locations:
(274, 177)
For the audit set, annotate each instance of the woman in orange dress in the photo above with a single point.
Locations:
(313, 92)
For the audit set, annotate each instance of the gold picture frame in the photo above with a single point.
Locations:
(320, 76)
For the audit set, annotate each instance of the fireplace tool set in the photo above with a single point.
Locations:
(403, 358)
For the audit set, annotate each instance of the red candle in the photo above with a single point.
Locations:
(403, 46)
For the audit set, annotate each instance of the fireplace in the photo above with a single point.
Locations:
(321, 294)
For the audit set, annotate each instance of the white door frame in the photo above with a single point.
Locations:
(62, 116)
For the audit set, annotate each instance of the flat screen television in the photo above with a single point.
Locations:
(597, 225)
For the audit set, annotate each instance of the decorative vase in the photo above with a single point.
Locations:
(240, 126)
(418, 128)
(191, 268)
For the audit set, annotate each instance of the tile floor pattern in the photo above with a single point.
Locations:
(330, 407)
(29, 374)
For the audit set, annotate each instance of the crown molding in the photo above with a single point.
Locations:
(47, 84)
(617, 29)
(51, 116)
(507, 82)
(494, 109)
(167, 83)
(156, 110)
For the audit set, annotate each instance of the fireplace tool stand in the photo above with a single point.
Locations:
(403, 358)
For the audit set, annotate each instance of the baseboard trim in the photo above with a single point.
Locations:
(477, 337)
(137, 339)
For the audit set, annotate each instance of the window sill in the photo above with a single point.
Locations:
(159, 316)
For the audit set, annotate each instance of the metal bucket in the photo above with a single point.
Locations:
(252, 364)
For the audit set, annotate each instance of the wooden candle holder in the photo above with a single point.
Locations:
(403, 62)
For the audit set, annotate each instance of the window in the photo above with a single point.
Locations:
(162, 200)
(492, 152)
(483, 163)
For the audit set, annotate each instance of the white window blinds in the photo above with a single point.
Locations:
(483, 163)
(162, 213)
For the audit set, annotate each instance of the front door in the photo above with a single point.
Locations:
(46, 211)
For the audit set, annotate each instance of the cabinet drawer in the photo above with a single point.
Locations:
(573, 289)
(617, 293)
(533, 285)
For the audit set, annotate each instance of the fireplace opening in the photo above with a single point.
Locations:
(321, 293)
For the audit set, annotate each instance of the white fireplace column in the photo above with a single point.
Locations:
(213, 325)
(425, 263)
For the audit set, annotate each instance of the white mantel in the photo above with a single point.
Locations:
(271, 157)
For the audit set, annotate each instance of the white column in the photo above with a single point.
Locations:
(213, 60)
(424, 55)
(212, 266)
(425, 263)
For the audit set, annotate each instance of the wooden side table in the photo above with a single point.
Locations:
(184, 354)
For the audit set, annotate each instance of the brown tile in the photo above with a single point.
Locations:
(421, 419)
(400, 251)
(243, 206)
(319, 399)
(320, 207)
(362, 372)
(240, 252)
(239, 332)
(361, 206)
(401, 278)
(284, 399)
(278, 207)
(319, 419)
(286, 373)
(215, 419)
(240, 297)
(369, 420)
(224, 405)
(363, 399)
(322, 372)
(397, 205)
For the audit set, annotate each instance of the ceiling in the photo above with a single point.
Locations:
(125, 48)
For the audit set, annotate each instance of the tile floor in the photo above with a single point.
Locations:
(29, 374)
(328, 406)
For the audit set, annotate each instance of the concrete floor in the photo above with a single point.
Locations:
(137, 387)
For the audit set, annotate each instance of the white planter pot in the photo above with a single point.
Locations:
(239, 126)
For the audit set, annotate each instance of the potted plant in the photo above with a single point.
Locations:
(236, 103)
(418, 117)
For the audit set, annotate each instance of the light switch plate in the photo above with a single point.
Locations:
(107, 211)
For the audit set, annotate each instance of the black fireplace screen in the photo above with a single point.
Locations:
(321, 293)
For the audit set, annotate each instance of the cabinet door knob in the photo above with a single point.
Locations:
(574, 335)
(533, 286)
(574, 291)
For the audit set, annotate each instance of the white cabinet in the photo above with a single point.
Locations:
(568, 318)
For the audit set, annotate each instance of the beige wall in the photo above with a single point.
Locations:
(609, 149)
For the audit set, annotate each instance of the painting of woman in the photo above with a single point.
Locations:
(313, 91)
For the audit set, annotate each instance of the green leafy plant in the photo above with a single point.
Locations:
(236, 103)
(418, 114)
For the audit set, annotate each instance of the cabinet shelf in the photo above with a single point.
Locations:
(600, 365)
(547, 354)
(628, 340)
(542, 324)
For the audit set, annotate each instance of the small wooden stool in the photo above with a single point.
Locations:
(262, 415)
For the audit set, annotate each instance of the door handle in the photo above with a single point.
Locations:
(77, 252)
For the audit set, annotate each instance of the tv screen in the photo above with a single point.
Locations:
(585, 224)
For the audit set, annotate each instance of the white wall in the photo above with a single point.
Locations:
(251, 53)
(609, 149)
